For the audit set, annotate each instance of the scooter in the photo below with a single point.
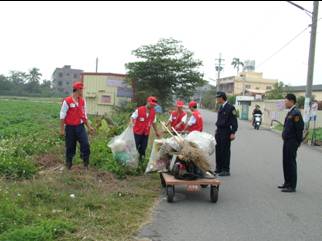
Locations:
(257, 121)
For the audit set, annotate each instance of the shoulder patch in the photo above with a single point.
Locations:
(234, 112)
(296, 118)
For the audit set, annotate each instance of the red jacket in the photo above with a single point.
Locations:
(142, 124)
(198, 126)
(75, 114)
(176, 119)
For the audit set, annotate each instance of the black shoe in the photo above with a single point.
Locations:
(224, 174)
(289, 189)
(217, 171)
(282, 186)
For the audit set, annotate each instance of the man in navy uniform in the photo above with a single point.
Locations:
(226, 128)
(292, 137)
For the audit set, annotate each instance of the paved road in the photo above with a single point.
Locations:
(250, 207)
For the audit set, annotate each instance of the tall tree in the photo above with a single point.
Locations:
(34, 75)
(165, 69)
(277, 92)
(18, 77)
(237, 63)
(33, 81)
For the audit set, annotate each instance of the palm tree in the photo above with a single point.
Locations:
(34, 75)
(236, 63)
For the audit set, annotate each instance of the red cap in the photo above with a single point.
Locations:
(152, 100)
(78, 85)
(192, 104)
(180, 103)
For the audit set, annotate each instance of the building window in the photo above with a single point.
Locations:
(106, 99)
(257, 88)
(67, 74)
(268, 87)
(60, 83)
(60, 75)
(75, 76)
(248, 86)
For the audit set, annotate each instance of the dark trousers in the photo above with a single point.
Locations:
(289, 162)
(141, 142)
(72, 135)
(223, 151)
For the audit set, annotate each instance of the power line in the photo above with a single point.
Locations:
(284, 46)
(300, 7)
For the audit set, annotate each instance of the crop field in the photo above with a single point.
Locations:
(41, 201)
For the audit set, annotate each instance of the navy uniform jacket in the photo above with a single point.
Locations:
(293, 126)
(227, 119)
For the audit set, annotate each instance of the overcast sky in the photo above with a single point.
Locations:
(47, 35)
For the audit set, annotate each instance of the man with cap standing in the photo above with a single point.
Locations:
(73, 117)
(178, 118)
(227, 126)
(292, 137)
(143, 118)
(195, 122)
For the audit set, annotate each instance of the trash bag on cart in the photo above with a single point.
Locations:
(161, 154)
(204, 141)
(124, 149)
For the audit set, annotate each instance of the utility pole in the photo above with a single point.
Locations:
(310, 71)
(219, 68)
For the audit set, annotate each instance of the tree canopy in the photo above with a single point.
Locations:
(166, 70)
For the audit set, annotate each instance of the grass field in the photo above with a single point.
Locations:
(39, 200)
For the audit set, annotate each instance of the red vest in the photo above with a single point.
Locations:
(143, 123)
(176, 119)
(198, 126)
(75, 114)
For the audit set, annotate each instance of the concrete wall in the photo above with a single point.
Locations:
(317, 94)
(274, 110)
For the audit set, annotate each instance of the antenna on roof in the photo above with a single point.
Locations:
(96, 64)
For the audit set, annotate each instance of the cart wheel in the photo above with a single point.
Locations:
(163, 184)
(214, 193)
(204, 185)
(170, 193)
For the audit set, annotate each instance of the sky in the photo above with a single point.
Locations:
(47, 35)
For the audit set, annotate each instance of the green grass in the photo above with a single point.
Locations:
(75, 206)
(38, 203)
(318, 132)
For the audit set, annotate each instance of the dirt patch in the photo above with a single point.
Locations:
(48, 161)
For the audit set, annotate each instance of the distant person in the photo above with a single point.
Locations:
(178, 117)
(195, 122)
(227, 126)
(143, 118)
(73, 117)
(257, 110)
(292, 137)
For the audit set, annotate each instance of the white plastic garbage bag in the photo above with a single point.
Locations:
(156, 163)
(124, 149)
(205, 141)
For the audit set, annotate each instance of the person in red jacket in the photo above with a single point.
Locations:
(143, 118)
(73, 117)
(178, 118)
(195, 122)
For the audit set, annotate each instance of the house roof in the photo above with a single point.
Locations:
(109, 74)
(302, 88)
